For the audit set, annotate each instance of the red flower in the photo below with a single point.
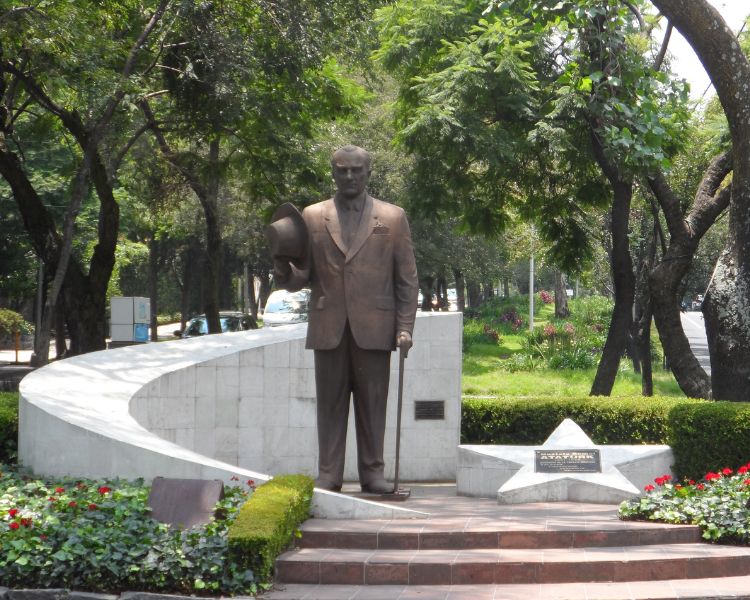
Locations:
(234, 478)
(104, 490)
(726, 471)
(746, 482)
(72, 504)
(13, 525)
(42, 537)
(700, 486)
(251, 483)
(60, 490)
(710, 476)
(691, 482)
(26, 522)
(678, 487)
(742, 470)
(12, 512)
(93, 506)
(52, 499)
(649, 488)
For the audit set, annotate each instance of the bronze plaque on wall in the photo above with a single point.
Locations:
(586, 460)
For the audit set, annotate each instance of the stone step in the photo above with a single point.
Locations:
(718, 588)
(518, 566)
(460, 534)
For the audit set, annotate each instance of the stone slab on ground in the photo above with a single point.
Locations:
(508, 472)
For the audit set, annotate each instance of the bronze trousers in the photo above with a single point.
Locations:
(346, 371)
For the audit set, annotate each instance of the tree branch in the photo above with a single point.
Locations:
(128, 67)
(664, 45)
(171, 157)
(670, 204)
(637, 13)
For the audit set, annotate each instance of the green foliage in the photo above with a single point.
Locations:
(717, 502)
(99, 536)
(706, 435)
(530, 420)
(11, 323)
(267, 523)
(573, 343)
(498, 105)
(8, 427)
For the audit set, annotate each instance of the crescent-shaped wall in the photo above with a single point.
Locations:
(230, 405)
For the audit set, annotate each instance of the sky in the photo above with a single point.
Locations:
(686, 62)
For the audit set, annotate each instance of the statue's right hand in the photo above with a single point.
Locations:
(282, 269)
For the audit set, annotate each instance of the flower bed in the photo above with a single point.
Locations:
(717, 503)
(98, 535)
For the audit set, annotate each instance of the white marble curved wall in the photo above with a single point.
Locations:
(233, 404)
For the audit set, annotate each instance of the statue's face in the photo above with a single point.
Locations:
(351, 173)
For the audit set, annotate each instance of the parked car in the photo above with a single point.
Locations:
(284, 308)
(230, 321)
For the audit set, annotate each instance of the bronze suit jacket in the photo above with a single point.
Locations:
(372, 284)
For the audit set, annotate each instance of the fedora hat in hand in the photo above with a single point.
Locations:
(287, 235)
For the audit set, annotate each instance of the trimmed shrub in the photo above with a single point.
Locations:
(268, 521)
(512, 420)
(708, 436)
(8, 427)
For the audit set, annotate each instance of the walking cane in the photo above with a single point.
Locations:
(403, 351)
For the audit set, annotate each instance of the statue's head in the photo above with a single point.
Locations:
(350, 166)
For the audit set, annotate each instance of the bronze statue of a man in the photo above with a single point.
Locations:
(356, 254)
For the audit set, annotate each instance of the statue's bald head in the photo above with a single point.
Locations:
(350, 152)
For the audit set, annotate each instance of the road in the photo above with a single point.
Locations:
(695, 330)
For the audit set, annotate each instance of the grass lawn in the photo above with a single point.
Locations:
(483, 376)
(484, 373)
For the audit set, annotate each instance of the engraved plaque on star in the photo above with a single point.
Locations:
(586, 460)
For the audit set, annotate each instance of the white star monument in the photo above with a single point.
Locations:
(567, 467)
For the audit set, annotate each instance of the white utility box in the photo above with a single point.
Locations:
(129, 318)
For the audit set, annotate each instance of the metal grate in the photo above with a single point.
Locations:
(433, 410)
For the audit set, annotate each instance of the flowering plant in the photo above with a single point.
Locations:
(717, 503)
(546, 297)
(98, 535)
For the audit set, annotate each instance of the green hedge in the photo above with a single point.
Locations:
(268, 521)
(8, 427)
(709, 436)
(704, 436)
(513, 420)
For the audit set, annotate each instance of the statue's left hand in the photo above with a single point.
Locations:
(403, 341)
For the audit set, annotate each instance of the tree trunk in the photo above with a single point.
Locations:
(426, 285)
(668, 275)
(209, 202)
(61, 346)
(488, 290)
(624, 284)
(506, 287)
(153, 287)
(460, 286)
(474, 293)
(84, 294)
(727, 304)
(265, 288)
(644, 351)
(561, 296)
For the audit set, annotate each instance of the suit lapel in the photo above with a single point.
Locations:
(333, 226)
(364, 230)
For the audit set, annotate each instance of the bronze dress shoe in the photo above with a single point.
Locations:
(325, 484)
(378, 486)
